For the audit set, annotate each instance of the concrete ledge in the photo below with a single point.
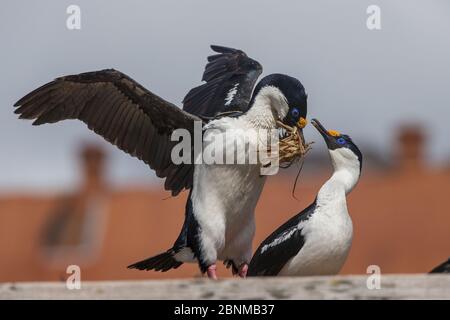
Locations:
(338, 287)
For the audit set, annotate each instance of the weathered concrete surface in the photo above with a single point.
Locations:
(339, 287)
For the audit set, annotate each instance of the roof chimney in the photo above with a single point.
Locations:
(410, 148)
(92, 158)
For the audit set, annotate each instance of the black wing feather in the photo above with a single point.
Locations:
(120, 110)
(228, 70)
(283, 244)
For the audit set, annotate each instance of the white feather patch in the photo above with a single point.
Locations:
(230, 95)
(283, 237)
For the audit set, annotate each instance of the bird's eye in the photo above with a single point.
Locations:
(341, 141)
(295, 113)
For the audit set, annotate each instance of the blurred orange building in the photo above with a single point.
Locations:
(400, 212)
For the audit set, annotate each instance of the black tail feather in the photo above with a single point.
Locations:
(161, 262)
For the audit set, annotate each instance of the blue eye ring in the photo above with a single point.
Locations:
(341, 141)
(295, 112)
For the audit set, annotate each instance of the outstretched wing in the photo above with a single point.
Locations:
(282, 245)
(230, 77)
(121, 111)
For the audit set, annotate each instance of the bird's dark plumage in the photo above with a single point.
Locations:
(121, 111)
(442, 268)
(188, 238)
(230, 76)
(292, 89)
(161, 262)
(283, 244)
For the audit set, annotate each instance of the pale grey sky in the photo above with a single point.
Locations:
(361, 82)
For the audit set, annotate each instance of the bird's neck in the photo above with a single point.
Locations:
(268, 106)
(338, 186)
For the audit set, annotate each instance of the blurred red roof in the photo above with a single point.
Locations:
(401, 220)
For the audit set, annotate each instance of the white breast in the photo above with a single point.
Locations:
(225, 196)
(328, 237)
(329, 230)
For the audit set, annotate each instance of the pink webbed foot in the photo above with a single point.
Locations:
(211, 272)
(243, 269)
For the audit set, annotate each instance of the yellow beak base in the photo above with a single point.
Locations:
(302, 123)
(334, 133)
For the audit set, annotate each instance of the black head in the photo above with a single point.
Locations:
(339, 142)
(295, 95)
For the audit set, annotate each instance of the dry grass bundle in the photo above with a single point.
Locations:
(292, 147)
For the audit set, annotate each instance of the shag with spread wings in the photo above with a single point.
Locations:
(136, 120)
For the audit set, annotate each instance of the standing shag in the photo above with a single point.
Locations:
(219, 222)
(317, 240)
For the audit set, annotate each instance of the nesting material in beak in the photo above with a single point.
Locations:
(292, 145)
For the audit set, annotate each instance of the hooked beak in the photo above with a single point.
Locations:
(324, 132)
(320, 128)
